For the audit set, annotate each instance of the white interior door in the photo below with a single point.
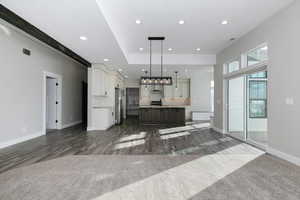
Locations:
(51, 99)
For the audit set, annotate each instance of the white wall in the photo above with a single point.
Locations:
(21, 86)
(281, 32)
(200, 87)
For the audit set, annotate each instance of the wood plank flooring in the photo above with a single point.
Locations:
(130, 138)
(136, 162)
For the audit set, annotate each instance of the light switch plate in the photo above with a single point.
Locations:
(289, 101)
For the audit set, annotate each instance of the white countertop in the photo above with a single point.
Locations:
(102, 107)
(162, 106)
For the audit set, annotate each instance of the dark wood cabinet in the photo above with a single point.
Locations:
(162, 115)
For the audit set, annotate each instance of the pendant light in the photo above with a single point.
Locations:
(176, 78)
(156, 80)
(146, 74)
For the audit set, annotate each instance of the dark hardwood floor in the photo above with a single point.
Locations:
(130, 138)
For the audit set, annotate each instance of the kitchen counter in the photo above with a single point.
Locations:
(162, 115)
(161, 106)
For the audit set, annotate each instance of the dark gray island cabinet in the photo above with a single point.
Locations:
(162, 115)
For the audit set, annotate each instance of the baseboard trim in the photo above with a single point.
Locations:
(99, 129)
(218, 130)
(90, 128)
(71, 124)
(293, 159)
(20, 139)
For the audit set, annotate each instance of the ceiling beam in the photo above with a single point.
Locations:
(30, 29)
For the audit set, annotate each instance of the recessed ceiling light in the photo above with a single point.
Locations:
(224, 22)
(83, 38)
(143, 70)
(106, 59)
(141, 49)
(198, 49)
(186, 70)
(181, 22)
(120, 70)
(170, 49)
(126, 76)
(138, 21)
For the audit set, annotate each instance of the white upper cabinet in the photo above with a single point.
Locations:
(145, 91)
(183, 89)
(99, 85)
(168, 91)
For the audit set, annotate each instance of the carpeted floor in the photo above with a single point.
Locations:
(238, 172)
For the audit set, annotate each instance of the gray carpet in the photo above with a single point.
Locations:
(106, 177)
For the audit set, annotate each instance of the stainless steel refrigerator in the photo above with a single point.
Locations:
(118, 105)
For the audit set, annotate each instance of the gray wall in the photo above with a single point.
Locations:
(21, 85)
(282, 33)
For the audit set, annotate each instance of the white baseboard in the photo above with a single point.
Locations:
(98, 129)
(71, 124)
(293, 159)
(20, 139)
(90, 128)
(218, 130)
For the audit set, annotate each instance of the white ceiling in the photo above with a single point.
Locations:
(112, 32)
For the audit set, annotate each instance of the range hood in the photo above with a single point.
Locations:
(156, 80)
(156, 88)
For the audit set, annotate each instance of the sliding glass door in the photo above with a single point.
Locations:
(247, 108)
(236, 111)
(257, 108)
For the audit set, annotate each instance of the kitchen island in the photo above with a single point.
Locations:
(162, 115)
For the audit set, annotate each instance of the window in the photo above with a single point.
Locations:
(258, 95)
(233, 66)
(259, 75)
(257, 55)
(258, 109)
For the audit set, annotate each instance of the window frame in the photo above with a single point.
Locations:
(245, 56)
(264, 80)
(226, 66)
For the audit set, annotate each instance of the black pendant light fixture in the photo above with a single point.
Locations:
(176, 76)
(156, 80)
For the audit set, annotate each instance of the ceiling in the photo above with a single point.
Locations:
(112, 32)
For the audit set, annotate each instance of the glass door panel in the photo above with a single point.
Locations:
(236, 107)
(257, 108)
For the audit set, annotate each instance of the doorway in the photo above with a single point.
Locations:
(84, 103)
(247, 108)
(52, 102)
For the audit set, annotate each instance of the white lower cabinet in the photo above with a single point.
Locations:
(103, 118)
